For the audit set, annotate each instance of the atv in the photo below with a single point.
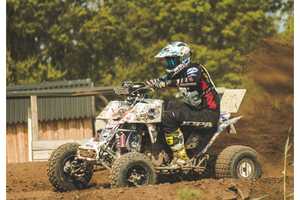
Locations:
(133, 148)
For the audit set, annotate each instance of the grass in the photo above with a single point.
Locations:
(188, 194)
(286, 150)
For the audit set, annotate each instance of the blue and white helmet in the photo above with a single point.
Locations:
(177, 55)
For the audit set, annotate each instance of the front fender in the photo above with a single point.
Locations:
(113, 110)
(147, 112)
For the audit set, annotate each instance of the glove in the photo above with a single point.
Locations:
(156, 83)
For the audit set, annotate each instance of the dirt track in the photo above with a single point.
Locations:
(268, 117)
(29, 181)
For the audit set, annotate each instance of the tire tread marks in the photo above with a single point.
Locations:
(56, 155)
(123, 161)
(225, 160)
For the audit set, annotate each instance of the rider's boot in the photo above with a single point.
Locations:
(176, 142)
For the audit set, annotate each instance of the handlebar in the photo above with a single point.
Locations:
(132, 89)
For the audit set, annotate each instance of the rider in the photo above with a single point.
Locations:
(201, 103)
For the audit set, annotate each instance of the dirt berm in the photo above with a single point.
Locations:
(267, 122)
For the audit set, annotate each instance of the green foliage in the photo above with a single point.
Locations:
(188, 194)
(30, 71)
(71, 39)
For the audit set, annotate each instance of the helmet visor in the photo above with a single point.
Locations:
(171, 62)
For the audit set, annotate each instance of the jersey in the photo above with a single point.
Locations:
(196, 87)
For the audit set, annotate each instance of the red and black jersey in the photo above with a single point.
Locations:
(197, 84)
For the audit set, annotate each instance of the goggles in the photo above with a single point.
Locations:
(171, 62)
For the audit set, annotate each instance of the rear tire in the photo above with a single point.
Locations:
(238, 161)
(132, 169)
(57, 175)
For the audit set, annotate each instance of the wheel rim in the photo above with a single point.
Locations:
(72, 170)
(137, 175)
(246, 168)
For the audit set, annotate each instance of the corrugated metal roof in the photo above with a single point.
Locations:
(17, 110)
(55, 108)
(80, 91)
(50, 108)
(46, 85)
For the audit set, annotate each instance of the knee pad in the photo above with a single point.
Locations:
(175, 140)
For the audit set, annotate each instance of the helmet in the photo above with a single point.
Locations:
(176, 56)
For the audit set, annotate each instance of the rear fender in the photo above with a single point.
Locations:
(222, 126)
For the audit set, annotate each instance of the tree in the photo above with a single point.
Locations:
(42, 38)
(73, 39)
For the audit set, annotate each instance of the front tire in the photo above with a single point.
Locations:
(59, 166)
(238, 161)
(132, 169)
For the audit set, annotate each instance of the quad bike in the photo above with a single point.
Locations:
(133, 148)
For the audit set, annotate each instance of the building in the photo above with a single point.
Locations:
(40, 117)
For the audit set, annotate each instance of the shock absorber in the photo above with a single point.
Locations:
(121, 142)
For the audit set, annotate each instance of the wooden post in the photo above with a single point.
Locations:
(32, 125)
(34, 117)
(29, 132)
